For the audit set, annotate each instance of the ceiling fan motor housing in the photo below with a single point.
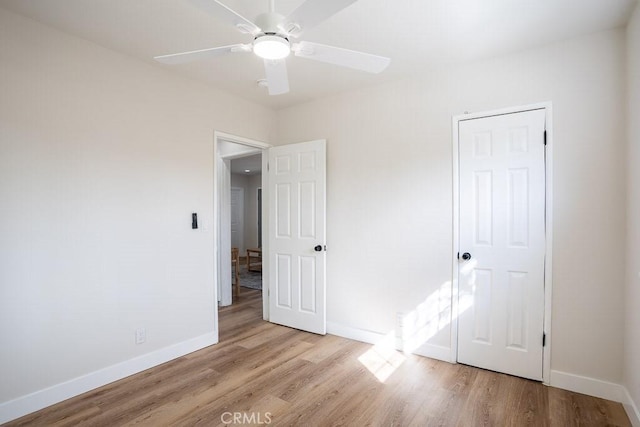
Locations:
(272, 43)
(271, 23)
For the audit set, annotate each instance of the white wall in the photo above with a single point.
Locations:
(632, 296)
(390, 192)
(102, 160)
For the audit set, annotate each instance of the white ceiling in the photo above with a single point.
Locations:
(250, 163)
(415, 34)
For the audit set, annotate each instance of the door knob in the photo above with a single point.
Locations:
(318, 248)
(466, 256)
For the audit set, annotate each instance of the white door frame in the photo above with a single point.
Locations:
(546, 351)
(217, 138)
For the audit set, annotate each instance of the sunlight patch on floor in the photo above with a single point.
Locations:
(427, 319)
(383, 359)
(416, 328)
(432, 315)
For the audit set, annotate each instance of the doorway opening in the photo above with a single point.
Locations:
(236, 210)
(246, 181)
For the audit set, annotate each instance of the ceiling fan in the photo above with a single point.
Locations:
(273, 34)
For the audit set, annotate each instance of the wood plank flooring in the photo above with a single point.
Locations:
(262, 374)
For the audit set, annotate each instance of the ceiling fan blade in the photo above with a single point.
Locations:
(228, 15)
(277, 80)
(194, 55)
(343, 57)
(311, 13)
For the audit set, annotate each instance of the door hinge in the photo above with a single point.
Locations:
(545, 137)
(544, 339)
(458, 255)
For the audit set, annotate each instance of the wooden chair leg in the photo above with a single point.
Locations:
(235, 263)
(238, 279)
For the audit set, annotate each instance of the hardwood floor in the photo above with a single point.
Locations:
(262, 374)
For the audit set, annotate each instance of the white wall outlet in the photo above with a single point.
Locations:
(399, 331)
(141, 335)
(399, 320)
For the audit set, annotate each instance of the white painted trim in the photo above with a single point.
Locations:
(223, 259)
(589, 386)
(437, 352)
(498, 112)
(42, 398)
(456, 242)
(362, 335)
(265, 236)
(240, 140)
(597, 388)
(632, 409)
(370, 337)
(548, 282)
(548, 259)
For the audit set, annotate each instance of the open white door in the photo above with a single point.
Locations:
(297, 230)
(502, 243)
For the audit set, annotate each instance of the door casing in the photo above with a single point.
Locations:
(547, 106)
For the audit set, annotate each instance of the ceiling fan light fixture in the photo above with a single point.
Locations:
(271, 47)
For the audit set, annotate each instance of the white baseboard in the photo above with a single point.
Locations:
(597, 388)
(42, 398)
(434, 352)
(370, 337)
(632, 409)
(361, 335)
(590, 386)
